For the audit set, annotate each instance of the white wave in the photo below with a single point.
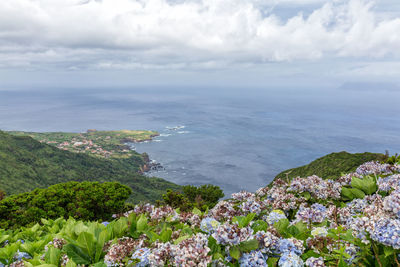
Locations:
(183, 132)
(174, 128)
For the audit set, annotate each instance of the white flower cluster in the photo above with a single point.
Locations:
(317, 187)
(374, 167)
(231, 234)
(192, 252)
(224, 210)
(163, 212)
(388, 183)
(117, 252)
(391, 203)
(243, 195)
(268, 241)
(317, 213)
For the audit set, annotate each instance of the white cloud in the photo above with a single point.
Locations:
(206, 34)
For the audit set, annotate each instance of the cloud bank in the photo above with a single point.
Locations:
(153, 34)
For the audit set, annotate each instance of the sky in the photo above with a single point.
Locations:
(204, 42)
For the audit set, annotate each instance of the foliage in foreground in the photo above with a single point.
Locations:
(354, 221)
(26, 164)
(332, 165)
(85, 201)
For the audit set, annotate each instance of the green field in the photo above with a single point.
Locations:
(332, 166)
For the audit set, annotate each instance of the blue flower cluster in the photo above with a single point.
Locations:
(143, 255)
(387, 232)
(275, 216)
(253, 258)
(209, 225)
(290, 245)
(290, 259)
(315, 214)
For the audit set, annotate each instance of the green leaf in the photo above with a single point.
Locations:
(234, 252)
(388, 251)
(248, 246)
(306, 195)
(272, 261)
(197, 211)
(357, 193)
(213, 245)
(259, 225)
(165, 235)
(347, 194)
(102, 239)
(142, 223)
(76, 254)
(87, 243)
(282, 226)
(53, 255)
(180, 239)
(99, 264)
(71, 263)
(367, 184)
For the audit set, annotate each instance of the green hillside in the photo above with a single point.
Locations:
(332, 165)
(26, 164)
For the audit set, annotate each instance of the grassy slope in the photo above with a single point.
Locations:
(26, 164)
(332, 165)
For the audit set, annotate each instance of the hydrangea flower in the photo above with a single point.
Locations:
(268, 241)
(374, 167)
(290, 259)
(209, 225)
(315, 214)
(254, 258)
(251, 206)
(192, 252)
(391, 203)
(387, 232)
(316, 186)
(143, 255)
(231, 234)
(388, 183)
(275, 216)
(319, 231)
(315, 262)
(290, 245)
(161, 254)
(118, 251)
(243, 195)
(163, 213)
(21, 255)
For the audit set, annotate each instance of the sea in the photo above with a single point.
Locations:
(236, 138)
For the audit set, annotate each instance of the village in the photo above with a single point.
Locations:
(105, 144)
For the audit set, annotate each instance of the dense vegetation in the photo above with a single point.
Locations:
(85, 201)
(202, 197)
(26, 164)
(332, 166)
(353, 221)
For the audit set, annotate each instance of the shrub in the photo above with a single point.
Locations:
(86, 201)
(202, 197)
